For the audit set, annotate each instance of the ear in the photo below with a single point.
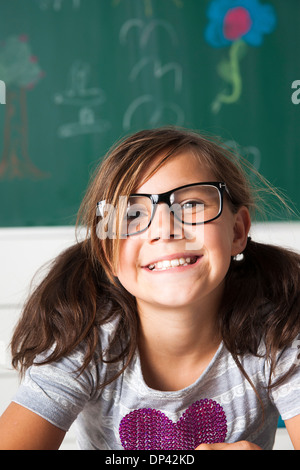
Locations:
(241, 229)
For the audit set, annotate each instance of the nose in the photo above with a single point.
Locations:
(164, 225)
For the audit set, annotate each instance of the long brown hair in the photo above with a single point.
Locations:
(80, 292)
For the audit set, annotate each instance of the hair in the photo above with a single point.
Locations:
(261, 300)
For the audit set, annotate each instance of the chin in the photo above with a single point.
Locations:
(174, 299)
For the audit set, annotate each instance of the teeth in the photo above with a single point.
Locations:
(173, 263)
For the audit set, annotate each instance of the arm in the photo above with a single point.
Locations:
(21, 429)
(293, 428)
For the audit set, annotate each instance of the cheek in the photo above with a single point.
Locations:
(218, 243)
(126, 270)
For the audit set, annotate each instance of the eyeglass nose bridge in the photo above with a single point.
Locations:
(159, 198)
(165, 198)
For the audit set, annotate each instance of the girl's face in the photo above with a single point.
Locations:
(207, 247)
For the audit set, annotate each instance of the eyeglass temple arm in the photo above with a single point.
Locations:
(226, 189)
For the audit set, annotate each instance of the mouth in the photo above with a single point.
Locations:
(168, 264)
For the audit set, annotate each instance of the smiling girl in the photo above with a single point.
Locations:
(152, 333)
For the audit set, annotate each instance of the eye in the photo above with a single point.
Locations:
(194, 206)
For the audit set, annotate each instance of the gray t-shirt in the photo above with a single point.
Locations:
(128, 414)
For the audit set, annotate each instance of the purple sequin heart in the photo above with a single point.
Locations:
(149, 429)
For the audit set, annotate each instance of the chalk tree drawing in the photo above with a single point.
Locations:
(84, 100)
(20, 71)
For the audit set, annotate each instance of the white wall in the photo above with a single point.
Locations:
(22, 253)
(24, 250)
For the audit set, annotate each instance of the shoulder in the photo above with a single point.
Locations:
(59, 390)
(260, 368)
(71, 366)
(283, 357)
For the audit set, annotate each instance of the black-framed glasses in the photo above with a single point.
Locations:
(192, 204)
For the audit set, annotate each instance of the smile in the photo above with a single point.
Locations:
(163, 265)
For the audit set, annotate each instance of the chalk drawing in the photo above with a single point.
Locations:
(153, 109)
(155, 112)
(237, 25)
(250, 152)
(86, 100)
(57, 5)
(159, 70)
(148, 7)
(22, 72)
(147, 30)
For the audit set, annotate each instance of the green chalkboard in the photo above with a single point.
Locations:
(80, 74)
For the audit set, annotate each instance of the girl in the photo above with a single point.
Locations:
(153, 333)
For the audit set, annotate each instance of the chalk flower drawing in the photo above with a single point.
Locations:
(21, 72)
(236, 24)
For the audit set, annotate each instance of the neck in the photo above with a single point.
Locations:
(177, 333)
(175, 340)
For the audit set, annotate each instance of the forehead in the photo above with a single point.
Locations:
(178, 170)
